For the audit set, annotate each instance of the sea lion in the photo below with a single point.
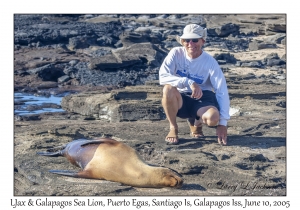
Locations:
(113, 161)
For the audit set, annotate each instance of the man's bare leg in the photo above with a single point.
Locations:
(211, 117)
(195, 132)
(171, 102)
(208, 115)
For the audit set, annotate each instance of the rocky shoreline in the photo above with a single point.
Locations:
(109, 65)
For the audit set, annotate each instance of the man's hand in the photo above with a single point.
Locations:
(222, 134)
(196, 91)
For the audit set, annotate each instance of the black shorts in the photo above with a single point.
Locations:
(190, 105)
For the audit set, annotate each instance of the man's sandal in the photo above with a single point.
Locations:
(172, 134)
(196, 132)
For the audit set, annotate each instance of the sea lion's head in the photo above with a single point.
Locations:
(172, 178)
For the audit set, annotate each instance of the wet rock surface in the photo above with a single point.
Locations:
(108, 65)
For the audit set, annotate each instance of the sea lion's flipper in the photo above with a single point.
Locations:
(76, 174)
(51, 154)
(65, 172)
(97, 141)
(54, 151)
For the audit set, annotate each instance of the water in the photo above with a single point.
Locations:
(30, 104)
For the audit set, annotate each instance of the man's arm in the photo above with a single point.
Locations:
(167, 71)
(219, 83)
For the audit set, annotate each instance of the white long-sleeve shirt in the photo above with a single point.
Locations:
(181, 71)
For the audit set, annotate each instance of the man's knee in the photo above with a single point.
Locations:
(211, 117)
(212, 121)
(169, 90)
(171, 96)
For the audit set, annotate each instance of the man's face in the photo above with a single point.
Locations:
(193, 48)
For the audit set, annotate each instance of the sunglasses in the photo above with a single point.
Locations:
(193, 40)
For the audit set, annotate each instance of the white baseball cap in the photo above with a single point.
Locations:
(194, 31)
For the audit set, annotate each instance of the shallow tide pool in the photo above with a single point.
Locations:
(40, 104)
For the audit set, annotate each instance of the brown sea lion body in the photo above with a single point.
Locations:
(114, 161)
